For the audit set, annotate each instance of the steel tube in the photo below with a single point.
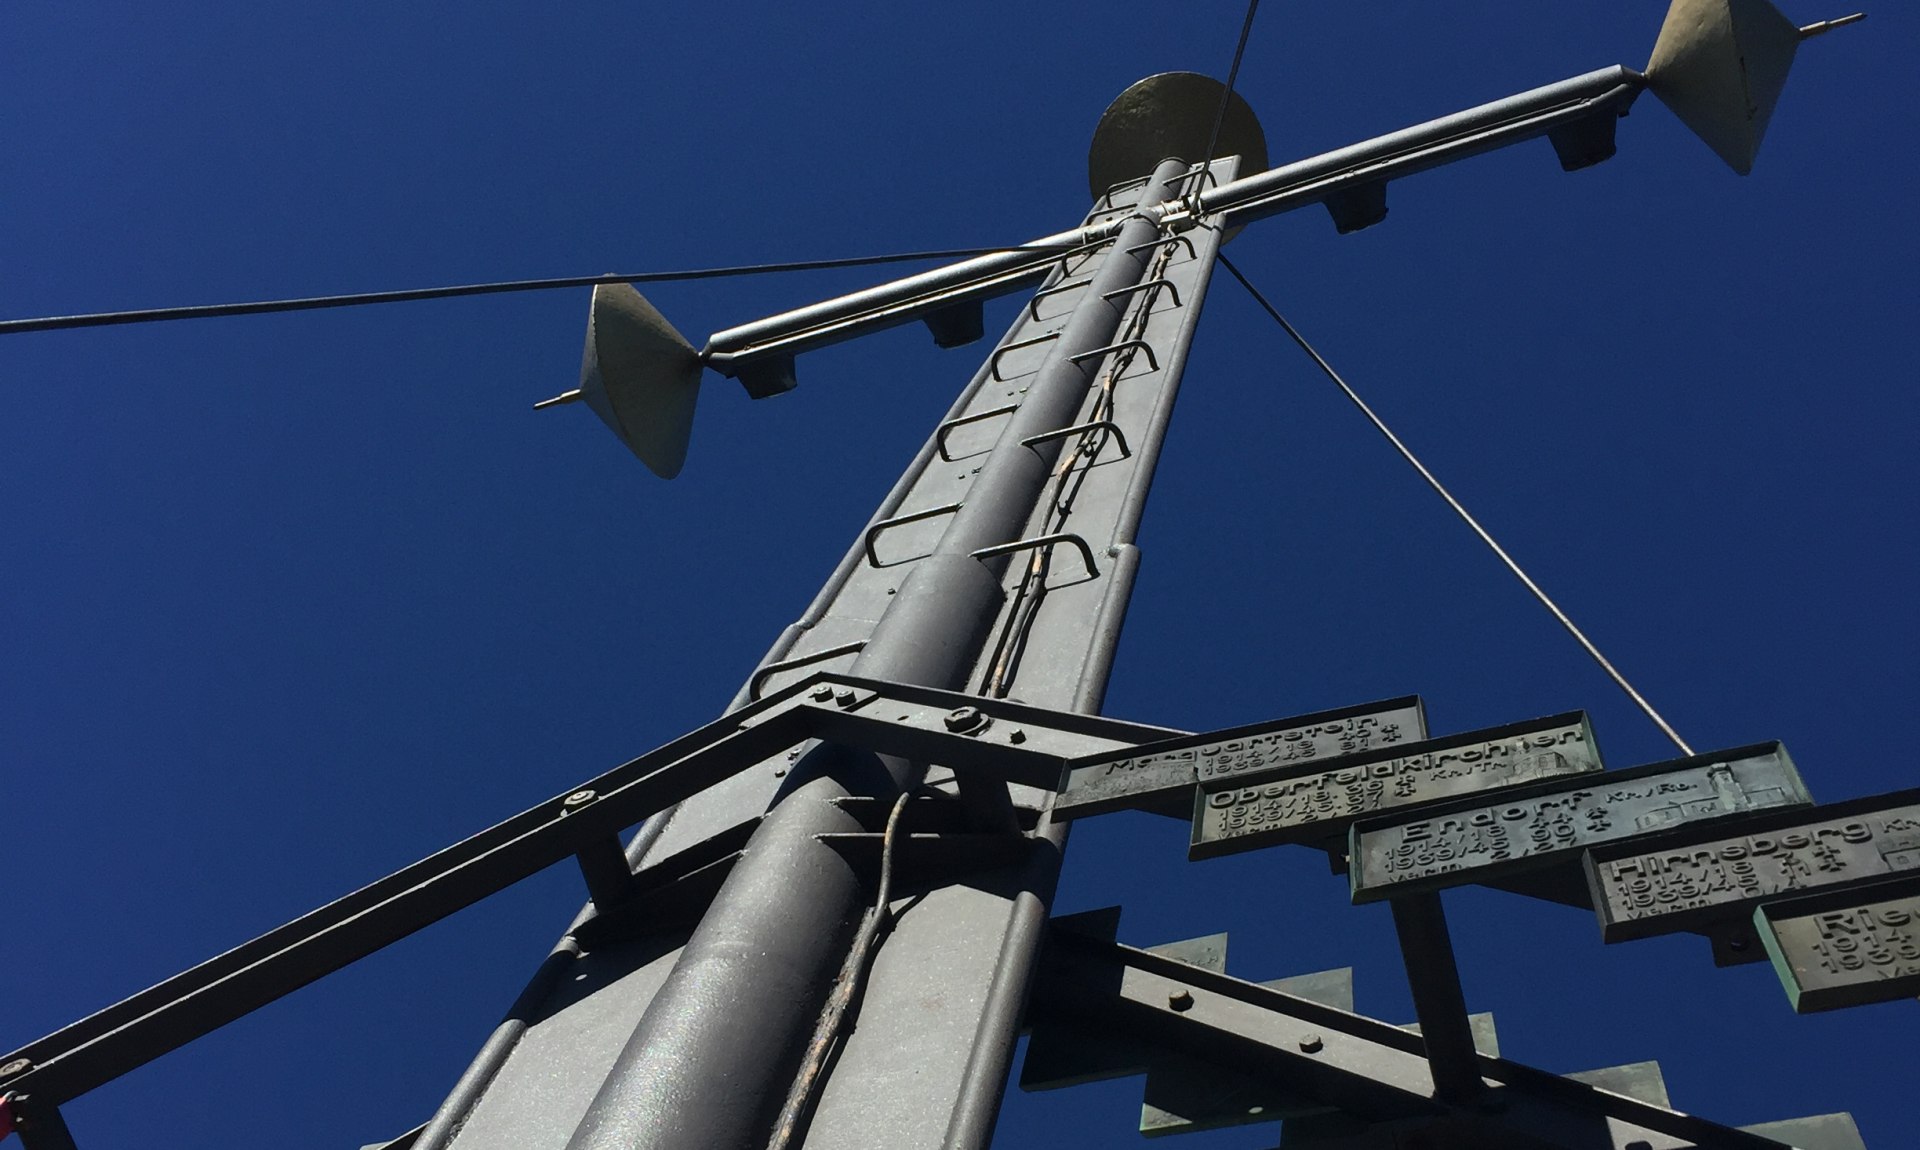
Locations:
(709, 1062)
(1438, 1002)
(1524, 116)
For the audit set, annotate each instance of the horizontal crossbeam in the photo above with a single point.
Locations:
(1370, 1069)
(963, 732)
(1605, 93)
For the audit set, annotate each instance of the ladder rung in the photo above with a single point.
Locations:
(1163, 241)
(940, 432)
(993, 361)
(874, 531)
(1033, 305)
(1147, 286)
(1100, 352)
(760, 677)
(1107, 425)
(1039, 541)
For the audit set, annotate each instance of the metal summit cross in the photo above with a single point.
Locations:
(833, 924)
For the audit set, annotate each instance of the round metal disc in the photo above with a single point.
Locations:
(1171, 115)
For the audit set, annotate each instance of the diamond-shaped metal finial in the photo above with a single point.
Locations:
(1720, 65)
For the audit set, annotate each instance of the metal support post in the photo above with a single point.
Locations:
(710, 1059)
(1438, 1002)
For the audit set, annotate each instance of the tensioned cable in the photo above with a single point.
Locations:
(1226, 94)
(1460, 510)
(405, 295)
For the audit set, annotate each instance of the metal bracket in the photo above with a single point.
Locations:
(998, 549)
(875, 530)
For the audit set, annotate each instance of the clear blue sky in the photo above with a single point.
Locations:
(292, 601)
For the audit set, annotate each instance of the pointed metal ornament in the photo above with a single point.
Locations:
(640, 376)
(1720, 65)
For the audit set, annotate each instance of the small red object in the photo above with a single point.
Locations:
(6, 1115)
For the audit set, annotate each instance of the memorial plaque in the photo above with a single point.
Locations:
(1159, 777)
(1543, 824)
(1846, 947)
(1315, 802)
(1692, 880)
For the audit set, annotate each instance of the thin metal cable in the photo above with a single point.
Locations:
(852, 973)
(406, 295)
(1226, 97)
(1460, 510)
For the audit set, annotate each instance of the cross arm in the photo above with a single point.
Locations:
(1595, 98)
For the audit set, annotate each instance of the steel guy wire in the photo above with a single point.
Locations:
(1226, 94)
(1460, 509)
(407, 295)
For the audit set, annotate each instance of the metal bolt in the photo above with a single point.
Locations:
(17, 1066)
(822, 693)
(1016, 736)
(1311, 1044)
(1180, 1000)
(581, 798)
(965, 720)
(844, 696)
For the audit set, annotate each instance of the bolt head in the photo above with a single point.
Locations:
(1311, 1044)
(1181, 999)
(822, 693)
(581, 798)
(17, 1066)
(844, 696)
(1016, 736)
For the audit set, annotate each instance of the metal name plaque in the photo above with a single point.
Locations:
(1316, 802)
(1160, 777)
(1526, 828)
(1846, 947)
(1688, 880)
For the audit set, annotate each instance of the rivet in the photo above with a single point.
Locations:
(1181, 1000)
(1311, 1044)
(17, 1066)
(580, 798)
